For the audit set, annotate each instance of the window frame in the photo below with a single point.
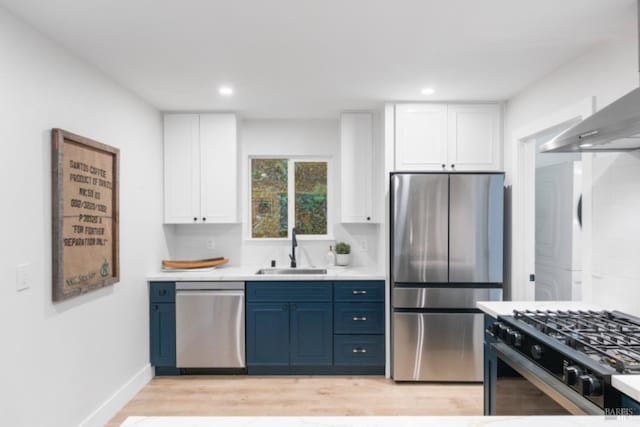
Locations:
(292, 160)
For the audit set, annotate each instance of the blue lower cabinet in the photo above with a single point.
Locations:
(490, 368)
(359, 350)
(296, 328)
(163, 336)
(311, 334)
(632, 407)
(267, 334)
(162, 327)
(358, 318)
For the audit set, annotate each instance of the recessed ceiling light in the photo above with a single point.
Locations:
(428, 91)
(586, 145)
(225, 90)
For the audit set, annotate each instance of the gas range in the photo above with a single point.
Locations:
(581, 349)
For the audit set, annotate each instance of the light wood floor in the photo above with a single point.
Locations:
(294, 396)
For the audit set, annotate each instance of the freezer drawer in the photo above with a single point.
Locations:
(443, 297)
(437, 346)
(210, 329)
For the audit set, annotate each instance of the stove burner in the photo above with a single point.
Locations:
(610, 338)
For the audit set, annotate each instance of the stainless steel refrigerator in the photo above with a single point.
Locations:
(446, 254)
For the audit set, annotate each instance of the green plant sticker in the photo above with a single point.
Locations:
(104, 270)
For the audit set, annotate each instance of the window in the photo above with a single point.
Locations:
(285, 192)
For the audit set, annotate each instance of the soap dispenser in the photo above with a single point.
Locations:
(331, 257)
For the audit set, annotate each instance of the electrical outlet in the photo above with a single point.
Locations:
(211, 244)
(23, 277)
(363, 245)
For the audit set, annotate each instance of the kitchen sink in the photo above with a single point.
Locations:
(292, 271)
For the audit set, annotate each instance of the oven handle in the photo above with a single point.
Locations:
(547, 383)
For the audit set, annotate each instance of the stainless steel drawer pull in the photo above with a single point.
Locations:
(356, 292)
(356, 318)
(359, 350)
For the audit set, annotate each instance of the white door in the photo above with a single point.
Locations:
(356, 148)
(474, 137)
(181, 169)
(219, 168)
(557, 233)
(421, 137)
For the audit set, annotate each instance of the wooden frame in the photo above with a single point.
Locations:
(86, 214)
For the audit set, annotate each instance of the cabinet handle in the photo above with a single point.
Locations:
(195, 219)
(453, 166)
(361, 318)
(368, 218)
(204, 218)
(357, 292)
(359, 350)
(444, 166)
(155, 307)
(163, 292)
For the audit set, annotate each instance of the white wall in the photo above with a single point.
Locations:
(299, 138)
(612, 249)
(60, 362)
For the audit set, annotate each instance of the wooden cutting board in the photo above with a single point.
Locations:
(201, 263)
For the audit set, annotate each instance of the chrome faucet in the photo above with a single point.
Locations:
(294, 243)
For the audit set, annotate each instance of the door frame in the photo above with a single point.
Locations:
(523, 191)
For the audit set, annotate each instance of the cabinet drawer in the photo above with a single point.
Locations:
(162, 291)
(360, 291)
(358, 318)
(289, 291)
(362, 350)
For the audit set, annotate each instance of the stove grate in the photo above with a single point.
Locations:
(605, 336)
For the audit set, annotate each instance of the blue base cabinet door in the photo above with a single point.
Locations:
(163, 334)
(311, 333)
(268, 334)
(162, 327)
(490, 368)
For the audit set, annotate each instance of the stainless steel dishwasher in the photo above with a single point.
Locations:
(210, 325)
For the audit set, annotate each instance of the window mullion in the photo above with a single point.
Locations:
(291, 197)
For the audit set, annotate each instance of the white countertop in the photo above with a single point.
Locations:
(249, 273)
(548, 421)
(505, 308)
(628, 384)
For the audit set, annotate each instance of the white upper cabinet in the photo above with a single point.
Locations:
(181, 168)
(200, 168)
(356, 160)
(219, 171)
(473, 137)
(421, 137)
(436, 137)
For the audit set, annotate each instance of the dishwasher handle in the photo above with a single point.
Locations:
(203, 293)
(209, 286)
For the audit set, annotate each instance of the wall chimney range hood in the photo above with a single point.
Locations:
(614, 128)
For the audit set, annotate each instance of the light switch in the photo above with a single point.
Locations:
(23, 277)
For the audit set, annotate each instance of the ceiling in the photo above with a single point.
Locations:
(313, 58)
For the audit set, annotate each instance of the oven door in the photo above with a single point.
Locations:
(524, 388)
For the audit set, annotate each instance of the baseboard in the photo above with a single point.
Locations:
(117, 400)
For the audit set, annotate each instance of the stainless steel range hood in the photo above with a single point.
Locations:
(614, 128)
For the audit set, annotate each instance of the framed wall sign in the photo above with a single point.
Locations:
(85, 200)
